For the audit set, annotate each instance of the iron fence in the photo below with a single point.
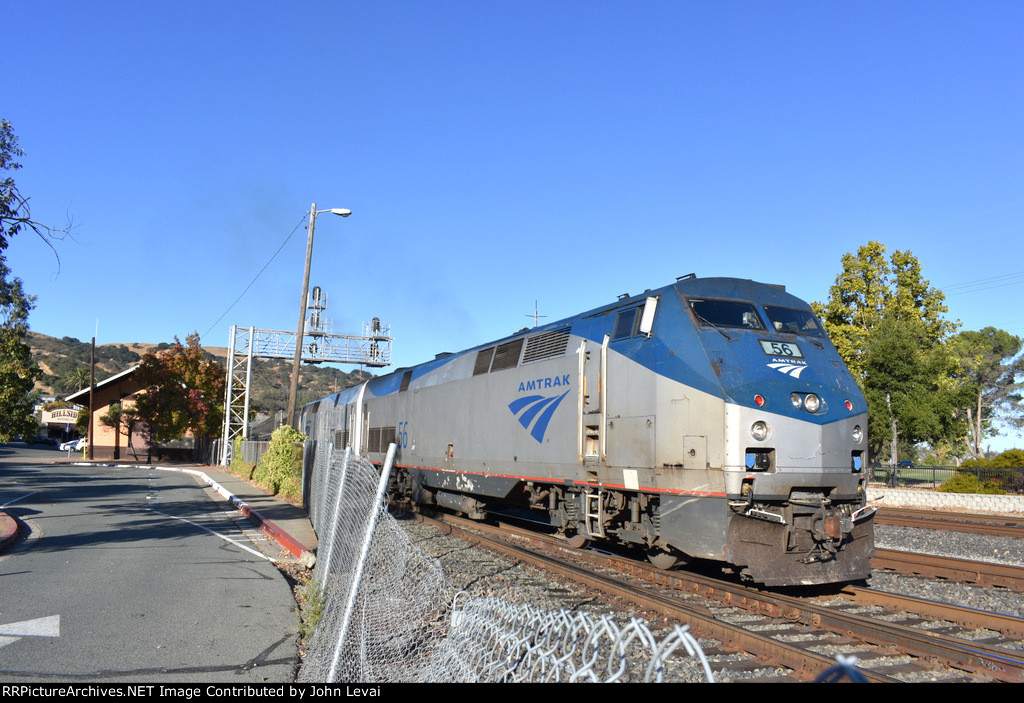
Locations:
(1010, 480)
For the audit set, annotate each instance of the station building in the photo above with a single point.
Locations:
(109, 443)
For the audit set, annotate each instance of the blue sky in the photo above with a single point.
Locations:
(497, 153)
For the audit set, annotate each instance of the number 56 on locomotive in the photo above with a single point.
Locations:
(711, 419)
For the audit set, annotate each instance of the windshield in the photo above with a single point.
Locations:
(726, 313)
(796, 321)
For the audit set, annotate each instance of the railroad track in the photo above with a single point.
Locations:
(893, 640)
(949, 568)
(979, 573)
(997, 525)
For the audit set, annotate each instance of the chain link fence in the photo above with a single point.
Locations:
(390, 616)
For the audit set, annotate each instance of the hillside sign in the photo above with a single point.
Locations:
(60, 416)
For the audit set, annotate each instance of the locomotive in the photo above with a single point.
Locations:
(710, 419)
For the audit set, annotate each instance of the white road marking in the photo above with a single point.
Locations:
(18, 498)
(39, 627)
(217, 534)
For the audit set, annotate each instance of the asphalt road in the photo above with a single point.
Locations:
(134, 575)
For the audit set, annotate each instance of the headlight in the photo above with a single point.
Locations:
(812, 403)
(797, 400)
(759, 430)
(857, 434)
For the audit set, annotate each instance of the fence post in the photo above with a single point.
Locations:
(333, 524)
(361, 562)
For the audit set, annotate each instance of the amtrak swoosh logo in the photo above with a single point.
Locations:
(536, 410)
(793, 370)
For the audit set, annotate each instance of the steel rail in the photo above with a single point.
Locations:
(961, 570)
(999, 664)
(996, 525)
(806, 665)
(1008, 625)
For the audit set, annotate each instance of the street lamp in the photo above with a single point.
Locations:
(293, 419)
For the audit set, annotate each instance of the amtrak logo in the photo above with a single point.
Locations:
(789, 368)
(536, 410)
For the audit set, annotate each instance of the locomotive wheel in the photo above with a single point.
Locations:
(575, 540)
(662, 559)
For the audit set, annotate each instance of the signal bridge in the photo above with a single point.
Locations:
(319, 345)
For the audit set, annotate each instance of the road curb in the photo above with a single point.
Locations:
(8, 530)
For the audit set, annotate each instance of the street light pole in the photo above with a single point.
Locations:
(293, 418)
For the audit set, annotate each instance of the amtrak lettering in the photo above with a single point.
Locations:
(790, 367)
(537, 410)
(542, 383)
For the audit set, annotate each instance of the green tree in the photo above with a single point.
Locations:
(17, 371)
(78, 379)
(887, 323)
(990, 364)
(906, 383)
(184, 391)
(872, 288)
(124, 420)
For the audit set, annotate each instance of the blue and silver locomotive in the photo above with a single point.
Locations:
(711, 419)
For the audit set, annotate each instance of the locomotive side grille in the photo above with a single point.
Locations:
(506, 356)
(340, 439)
(483, 361)
(546, 345)
(387, 437)
(379, 438)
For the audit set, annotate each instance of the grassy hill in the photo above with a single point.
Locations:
(65, 366)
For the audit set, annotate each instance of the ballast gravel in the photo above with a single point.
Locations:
(960, 545)
(479, 572)
(483, 573)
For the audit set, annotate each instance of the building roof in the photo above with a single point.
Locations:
(83, 395)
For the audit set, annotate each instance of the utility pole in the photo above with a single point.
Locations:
(294, 384)
(92, 390)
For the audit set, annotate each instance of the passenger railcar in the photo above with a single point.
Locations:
(710, 419)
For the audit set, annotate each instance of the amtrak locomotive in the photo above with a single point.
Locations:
(711, 419)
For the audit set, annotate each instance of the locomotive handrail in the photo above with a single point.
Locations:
(866, 511)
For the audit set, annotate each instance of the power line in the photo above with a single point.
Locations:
(1001, 281)
(251, 283)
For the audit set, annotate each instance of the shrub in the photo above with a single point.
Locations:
(280, 469)
(963, 482)
(1010, 459)
(239, 466)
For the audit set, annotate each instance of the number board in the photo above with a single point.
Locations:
(781, 349)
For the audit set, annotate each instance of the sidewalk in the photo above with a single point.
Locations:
(288, 524)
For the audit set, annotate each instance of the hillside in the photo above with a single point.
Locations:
(65, 365)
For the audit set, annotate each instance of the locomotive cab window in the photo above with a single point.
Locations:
(626, 323)
(726, 313)
(795, 321)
